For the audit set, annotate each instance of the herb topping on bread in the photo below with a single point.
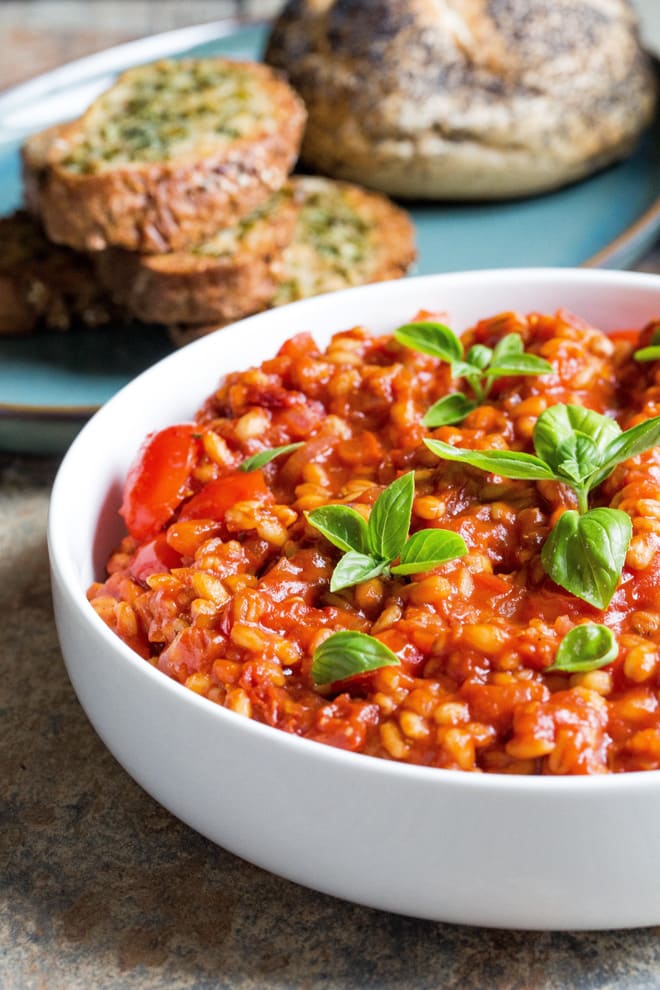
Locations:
(344, 236)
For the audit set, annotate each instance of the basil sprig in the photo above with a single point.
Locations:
(372, 547)
(347, 653)
(586, 550)
(586, 647)
(480, 367)
(652, 352)
(266, 456)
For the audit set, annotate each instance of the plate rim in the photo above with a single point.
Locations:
(119, 57)
(610, 254)
(116, 58)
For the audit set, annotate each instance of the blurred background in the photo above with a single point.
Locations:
(37, 35)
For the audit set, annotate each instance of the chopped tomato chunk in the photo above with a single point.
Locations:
(157, 480)
(155, 557)
(218, 496)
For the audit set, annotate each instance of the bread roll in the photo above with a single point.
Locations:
(465, 99)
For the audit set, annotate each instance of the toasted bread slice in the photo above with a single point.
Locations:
(44, 286)
(344, 236)
(218, 281)
(171, 153)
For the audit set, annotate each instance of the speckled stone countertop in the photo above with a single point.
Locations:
(100, 888)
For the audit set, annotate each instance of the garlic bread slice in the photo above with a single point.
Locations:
(221, 279)
(343, 236)
(44, 286)
(171, 153)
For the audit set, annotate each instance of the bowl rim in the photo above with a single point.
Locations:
(64, 575)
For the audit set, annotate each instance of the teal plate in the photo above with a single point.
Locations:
(50, 384)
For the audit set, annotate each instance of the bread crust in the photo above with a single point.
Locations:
(170, 204)
(34, 162)
(220, 280)
(465, 99)
(16, 316)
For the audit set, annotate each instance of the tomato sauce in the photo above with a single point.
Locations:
(223, 584)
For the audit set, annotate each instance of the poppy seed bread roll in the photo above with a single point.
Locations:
(465, 99)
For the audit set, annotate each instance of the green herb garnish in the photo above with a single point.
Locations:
(347, 653)
(652, 352)
(480, 367)
(371, 548)
(586, 647)
(266, 456)
(585, 553)
(586, 550)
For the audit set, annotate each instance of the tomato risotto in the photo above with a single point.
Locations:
(437, 550)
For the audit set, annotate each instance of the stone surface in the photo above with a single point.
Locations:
(100, 888)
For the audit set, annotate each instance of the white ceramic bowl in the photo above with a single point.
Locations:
(505, 851)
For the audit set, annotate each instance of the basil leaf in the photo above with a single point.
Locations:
(519, 364)
(347, 653)
(508, 463)
(343, 526)
(479, 356)
(586, 647)
(389, 520)
(507, 347)
(585, 554)
(652, 351)
(266, 456)
(428, 549)
(559, 423)
(450, 409)
(648, 353)
(353, 568)
(461, 369)
(431, 338)
(637, 440)
(577, 457)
